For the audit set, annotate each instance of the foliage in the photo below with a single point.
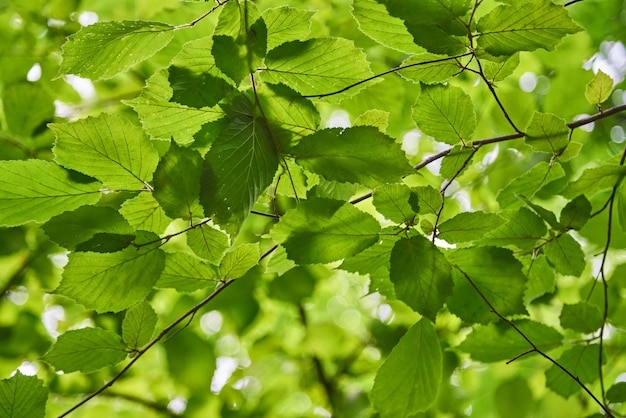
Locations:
(326, 208)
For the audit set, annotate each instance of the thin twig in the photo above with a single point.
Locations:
(198, 19)
(269, 215)
(495, 96)
(166, 238)
(155, 406)
(532, 344)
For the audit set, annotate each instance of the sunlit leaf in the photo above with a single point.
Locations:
(208, 243)
(599, 88)
(529, 183)
(186, 273)
(523, 230)
(144, 213)
(396, 202)
(468, 226)
(594, 180)
(285, 24)
(548, 133)
(428, 68)
(238, 260)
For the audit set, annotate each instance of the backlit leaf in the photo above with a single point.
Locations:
(108, 48)
(529, 183)
(468, 226)
(144, 213)
(208, 243)
(548, 133)
(37, 190)
(599, 88)
(565, 254)
(238, 260)
(594, 180)
(22, 396)
(394, 202)
(186, 273)
(523, 229)
(428, 68)
(86, 350)
(409, 379)
(139, 325)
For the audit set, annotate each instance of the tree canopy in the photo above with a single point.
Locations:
(280, 208)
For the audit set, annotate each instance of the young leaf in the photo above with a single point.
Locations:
(285, 24)
(421, 275)
(22, 397)
(322, 230)
(139, 325)
(361, 154)
(37, 190)
(111, 149)
(524, 26)
(177, 183)
(317, 66)
(500, 69)
(108, 48)
(208, 243)
(230, 57)
(373, 117)
(547, 133)
(498, 275)
(529, 183)
(599, 88)
(594, 180)
(468, 226)
(582, 317)
(79, 227)
(375, 22)
(86, 350)
(239, 166)
(144, 213)
(565, 254)
(428, 68)
(238, 260)
(576, 213)
(445, 113)
(114, 281)
(409, 379)
(393, 202)
(523, 230)
(186, 273)
(499, 341)
(164, 119)
(582, 362)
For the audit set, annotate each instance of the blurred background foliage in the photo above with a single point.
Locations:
(270, 346)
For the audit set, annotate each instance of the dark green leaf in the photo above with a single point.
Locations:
(86, 350)
(409, 379)
(22, 397)
(139, 325)
(197, 89)
(26, 106)
(576, 213)
(285, 24)
(543, 213)
(107, 48)
(293, 286)
(177, 183)
(514, 399)
(582, 362)
(421, 275)
(37, 190)
(361, 154)
(617, 392)
(581, 317)
(429, 199)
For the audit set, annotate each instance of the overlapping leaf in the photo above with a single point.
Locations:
(428, 68)
(111, 149)
(285, 24)
(468, 226)
(186, 273)
(139, 325)
(37, 190)
(144, 213)
(108, 48)
(529, 183)
(548, 133)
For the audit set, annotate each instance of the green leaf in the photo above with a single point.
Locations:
(186, 273)
(468, 226)
(499, 341)
(373, 117)
(322, 230)
(543, 213)
(22, 397)
(164, 119)
(361, 154)
(599, 88)
(144, 213)
(393, 201)
(317, 66)
(409, 379)
(582, 317)
(78, 228)
(594, 180)
(428, 68)
(514, 399)
(208, 243)
(498, 275)
(617, 393)
(239, 166)
(445, 113)
(139, 325)
(498, 70)
(114, 281)
(429, 199)
(576, 213)
(421, 275)
(26, 107)
(111, 149)
(524, 26)
(375, 22)
(238, 260)
(529, 183)
(293, 286)
(565, 254)
(456, 161)
(541, 278)
(547, 133)
(86, 350)
(582, 362)
(177, 183)
(285, 24)
(523, 230)
(37, 190)
(108, 48)
(621, 206)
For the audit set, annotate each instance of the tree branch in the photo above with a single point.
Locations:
(193, 23)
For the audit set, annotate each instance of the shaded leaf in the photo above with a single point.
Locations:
(456, 161)
(548, 133)
(617, 392)
(468, 226)
(408, 381)
(108, 48)
(86, 350)
(393, 202)
(22, 397)
(37, 190)
(581, 317)
(529, 183)
(139, 325)
(26, 106)
(594, 180)
(285, 24)
(565, 254)
(421, 275)
(582, 362)
(523, 229)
